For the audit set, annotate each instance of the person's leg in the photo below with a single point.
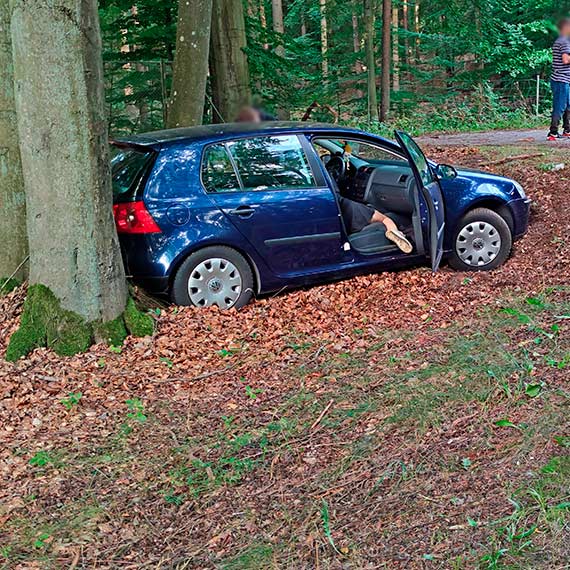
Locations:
(566, 116)
(559, 104)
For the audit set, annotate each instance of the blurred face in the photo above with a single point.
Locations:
(249, 115)
(565, 29)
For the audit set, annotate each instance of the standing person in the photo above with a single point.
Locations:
(560, 82)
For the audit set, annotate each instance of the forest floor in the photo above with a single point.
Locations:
(399, 420)
(523, 137)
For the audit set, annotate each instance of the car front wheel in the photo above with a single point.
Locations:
(482, 241)
(216, 275)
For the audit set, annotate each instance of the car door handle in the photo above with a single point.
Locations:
(243, 211)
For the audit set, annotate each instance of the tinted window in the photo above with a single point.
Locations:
(128, 167)
(218, 174)
(268, 163)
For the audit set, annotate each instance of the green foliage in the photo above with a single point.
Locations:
(72, 400)
(7, 285)
(137, 322)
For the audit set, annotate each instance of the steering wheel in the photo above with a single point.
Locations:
(336, 167)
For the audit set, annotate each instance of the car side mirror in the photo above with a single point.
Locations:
(446, 172)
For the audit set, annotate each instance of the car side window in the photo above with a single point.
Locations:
(218, 174)
(272, 162)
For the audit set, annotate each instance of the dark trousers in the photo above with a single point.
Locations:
(560, 106)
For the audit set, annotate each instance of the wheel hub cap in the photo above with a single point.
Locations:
(478, 243)
(215, 281)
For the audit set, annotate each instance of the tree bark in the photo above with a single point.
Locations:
(228, 62)
(263, 20)
(356, 37)
(58, 70)
(324, 38)
(278, 25)
(417, 30)
(395, 50)
(13, 250)
(369, 37)
(386, 57)
(190, 72)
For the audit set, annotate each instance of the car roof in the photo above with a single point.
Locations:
(226, 131)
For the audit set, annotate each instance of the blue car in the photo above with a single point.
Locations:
(214, 215)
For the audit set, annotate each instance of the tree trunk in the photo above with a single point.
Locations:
(356, 37)
(386, 57)
(369, 37)
(190, 70)
(406, 25)
(395, 51)
(13, 251)
(74, 250)
(263, 20)
(228, 62)
(417, 30)
(278, 26)
(324, 38)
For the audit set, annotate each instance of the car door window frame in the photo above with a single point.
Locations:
(315, 175)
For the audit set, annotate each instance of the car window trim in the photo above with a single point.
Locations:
(225, 144)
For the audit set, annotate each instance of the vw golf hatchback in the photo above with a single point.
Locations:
(214, 215)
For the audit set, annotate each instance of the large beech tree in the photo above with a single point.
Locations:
(13, 249)
(190, 63)
(78, 289)
(228, 61)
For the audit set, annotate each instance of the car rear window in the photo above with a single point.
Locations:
(128, 167)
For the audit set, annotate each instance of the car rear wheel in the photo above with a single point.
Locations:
(482, 241)
(215, 275)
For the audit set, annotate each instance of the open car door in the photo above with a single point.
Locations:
(429, 189)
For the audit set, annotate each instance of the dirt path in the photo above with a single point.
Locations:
(499, 138)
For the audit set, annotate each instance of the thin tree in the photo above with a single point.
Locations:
(228, 61)
(13, 251)
(78, 289)
(324, 38)
(278, 24)
(386, 59)
(395, 49)
(356, 37)
(369, 39)
(190, 71)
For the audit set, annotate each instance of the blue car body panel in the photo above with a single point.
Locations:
(292, 237)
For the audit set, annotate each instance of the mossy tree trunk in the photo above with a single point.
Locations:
(190, 63)
(77, 288)
(228, 61)
(13, 249)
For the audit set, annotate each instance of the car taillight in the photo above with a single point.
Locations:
(134, 218)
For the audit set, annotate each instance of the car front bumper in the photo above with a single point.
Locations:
(520, 210)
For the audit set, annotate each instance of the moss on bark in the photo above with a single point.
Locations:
(138, 323)
(113, 332)
(45, 323)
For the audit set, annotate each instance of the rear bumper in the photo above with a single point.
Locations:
(520, 210)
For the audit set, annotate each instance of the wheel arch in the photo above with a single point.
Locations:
(491, 203)
(190, 250)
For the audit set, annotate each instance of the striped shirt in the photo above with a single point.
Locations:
(560, 71)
